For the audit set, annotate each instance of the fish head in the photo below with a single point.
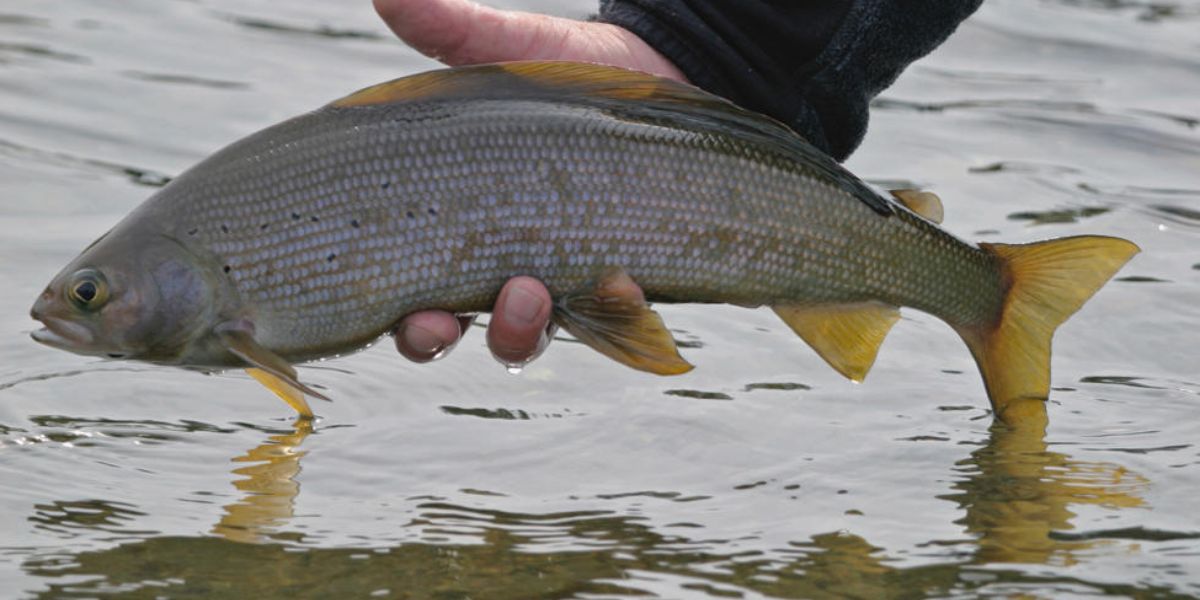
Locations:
(143, 297)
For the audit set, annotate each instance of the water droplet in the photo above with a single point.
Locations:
(514, 369)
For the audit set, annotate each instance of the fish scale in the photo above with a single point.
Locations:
(359, 186)
(314, 237)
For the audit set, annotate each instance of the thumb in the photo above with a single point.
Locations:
(462, 32)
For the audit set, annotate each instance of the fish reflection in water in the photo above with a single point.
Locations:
(1017, 496)
(270, 486)
(1017, 493)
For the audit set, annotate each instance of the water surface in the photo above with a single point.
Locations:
(759, 474)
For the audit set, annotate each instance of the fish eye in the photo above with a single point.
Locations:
(88, 289)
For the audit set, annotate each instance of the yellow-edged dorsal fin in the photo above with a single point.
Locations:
(614, 319)
(422, 86)
(625, 94)
(530, 79)
(926, 204)
(1047, 282)
(287, 392)
(847, 336)
(604, 81)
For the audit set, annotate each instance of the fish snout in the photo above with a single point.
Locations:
(38, 312)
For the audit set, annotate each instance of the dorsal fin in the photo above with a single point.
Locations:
(630, 95)
(533, 79)
(926, 204)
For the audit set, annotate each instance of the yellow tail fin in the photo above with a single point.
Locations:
(1047, 282)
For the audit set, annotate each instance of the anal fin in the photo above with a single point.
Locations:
(847, 336)
(614, 319)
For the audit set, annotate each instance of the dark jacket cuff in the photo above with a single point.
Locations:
(813, 65)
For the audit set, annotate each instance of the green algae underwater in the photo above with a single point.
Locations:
(760, 474)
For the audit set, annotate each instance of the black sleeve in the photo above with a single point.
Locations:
(813, 64)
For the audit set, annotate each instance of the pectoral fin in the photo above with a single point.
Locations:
(286, 391)
(268, 368)
(847, 336)
(614, 319)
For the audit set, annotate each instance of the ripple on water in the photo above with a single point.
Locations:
(13, 51)
(781, 386)
(321, 30)
(71, 518)
(177, 79)
(1059, 215)
(698, 394)
(508, 414)
(1036, 109)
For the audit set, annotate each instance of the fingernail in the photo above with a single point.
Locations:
(423, 341)
(522, 306)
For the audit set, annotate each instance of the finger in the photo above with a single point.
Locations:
(461, 32)
(427, 335)
(517, 332)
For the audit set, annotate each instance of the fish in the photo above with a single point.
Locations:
(315, 236)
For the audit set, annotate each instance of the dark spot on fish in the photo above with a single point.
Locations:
(385, 185)
(331, 257)
(192, 231)
(264, 226)
(295, 216)
(224, 229)
(314, 219)
(354, 223)
(227, 268)
(432, 211)
(411, 215)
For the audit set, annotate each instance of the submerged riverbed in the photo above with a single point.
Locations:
(760, 474)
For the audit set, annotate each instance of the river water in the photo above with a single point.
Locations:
(759, 474)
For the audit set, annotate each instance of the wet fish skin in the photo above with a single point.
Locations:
(314, 236)
(334, 224)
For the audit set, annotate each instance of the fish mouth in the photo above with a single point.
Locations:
(59, 333)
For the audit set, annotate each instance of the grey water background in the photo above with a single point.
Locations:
(759, 474)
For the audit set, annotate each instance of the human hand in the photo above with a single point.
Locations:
(461, 32)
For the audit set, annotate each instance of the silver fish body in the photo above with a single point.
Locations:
(319, 233)
(333, 225)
